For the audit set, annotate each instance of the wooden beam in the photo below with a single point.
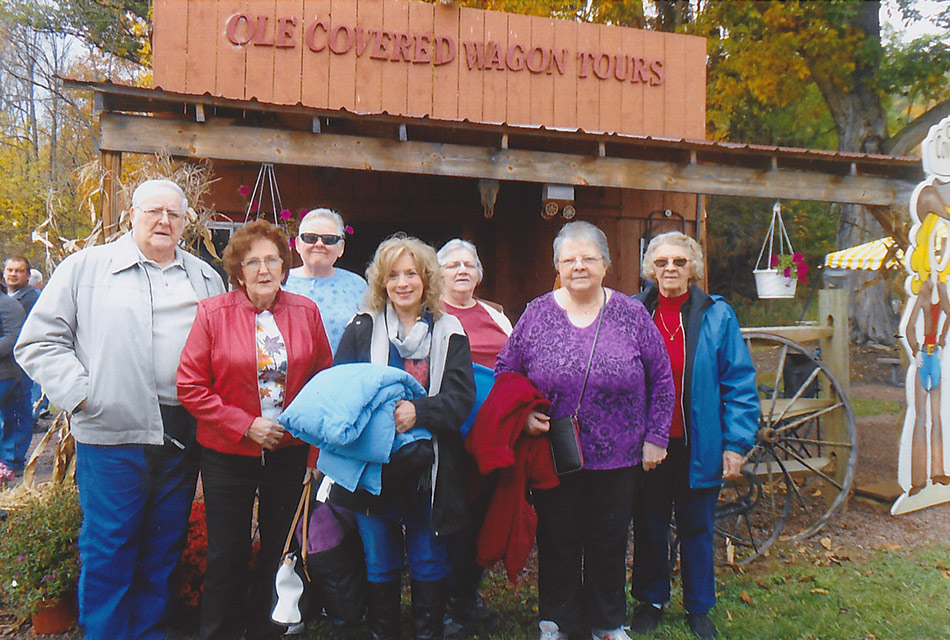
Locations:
(139, 134)
(110, 166)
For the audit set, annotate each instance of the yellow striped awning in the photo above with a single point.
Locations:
(867, 256)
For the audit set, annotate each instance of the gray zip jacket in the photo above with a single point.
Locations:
(89, 337)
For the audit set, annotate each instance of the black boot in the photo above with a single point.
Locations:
(384, 610)
(428, 609)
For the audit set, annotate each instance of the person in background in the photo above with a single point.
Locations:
(714, 423)
(337, 292)
(249, 353)
(16, 275)
(623, 415)
(16, 430)
(406, 328)
(104, 341)
(36, 279)
(487, 329)
(20, 285)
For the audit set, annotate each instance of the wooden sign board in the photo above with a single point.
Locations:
(440, 61)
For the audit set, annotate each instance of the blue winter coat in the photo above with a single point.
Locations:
(720, 401)
(347, 412)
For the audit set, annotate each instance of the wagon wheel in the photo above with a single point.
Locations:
(806, 446)
(750, 516)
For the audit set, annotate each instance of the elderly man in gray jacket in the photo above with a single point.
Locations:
(15, 430)
(104, 341)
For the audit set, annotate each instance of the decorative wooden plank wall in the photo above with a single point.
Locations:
(331, 54)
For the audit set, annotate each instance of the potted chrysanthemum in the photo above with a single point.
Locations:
(39, 556)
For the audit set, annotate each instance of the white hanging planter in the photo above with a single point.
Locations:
(772, 283)
(769, 281)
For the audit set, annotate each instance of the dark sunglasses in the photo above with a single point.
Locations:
(677, 262)
(329, 239)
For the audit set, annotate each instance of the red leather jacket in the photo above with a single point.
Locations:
(217, 376)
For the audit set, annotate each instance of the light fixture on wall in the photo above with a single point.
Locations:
(555, 198)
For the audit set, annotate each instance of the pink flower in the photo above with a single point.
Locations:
(293, 240)
(244, 190)
(5, 472)
(285, 214)
(802, 271)
(774, 261)
(787, 272)
(303, 212)
(348, 229)
(797, 257)
(254, 207)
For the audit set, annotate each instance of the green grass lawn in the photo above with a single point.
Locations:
(873, 406)
(897, 595)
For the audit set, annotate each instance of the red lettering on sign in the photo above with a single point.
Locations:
(402, 47)
(639, 70)
(584, 58)
(334, 39)
(558, 60)
(311, 36)
(600, 70)
(444, 50)
(285, 32)
(475, 55)
(260, 35)
(232, 29)
(515, 57)
(538, 60)
(363, 38)
(423, 51)
(379, 49)
(493, 55)
(657, 68)
(621, 67)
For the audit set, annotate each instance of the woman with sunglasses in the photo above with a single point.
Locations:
(338, 292)
(714, 424)
(249, 353)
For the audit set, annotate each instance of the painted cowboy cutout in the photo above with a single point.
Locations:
(922, 471)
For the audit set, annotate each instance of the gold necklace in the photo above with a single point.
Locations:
(673, 333)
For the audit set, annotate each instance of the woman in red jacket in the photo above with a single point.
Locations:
(249, 353)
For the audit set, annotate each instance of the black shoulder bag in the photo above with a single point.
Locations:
(564, 433)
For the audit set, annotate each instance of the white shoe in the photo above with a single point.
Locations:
(614, 634)
(550, 631)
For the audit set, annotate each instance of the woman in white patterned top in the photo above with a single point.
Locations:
(249, 353)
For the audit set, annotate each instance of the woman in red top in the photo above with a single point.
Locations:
(487, 329)
(249, 353)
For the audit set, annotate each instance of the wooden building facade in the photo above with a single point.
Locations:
(407, 115)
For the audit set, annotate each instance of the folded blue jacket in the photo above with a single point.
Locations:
(347, 412)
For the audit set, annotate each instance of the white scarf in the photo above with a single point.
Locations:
(413, 346)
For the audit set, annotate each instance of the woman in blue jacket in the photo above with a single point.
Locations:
(714, 425)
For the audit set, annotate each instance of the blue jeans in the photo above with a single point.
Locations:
(17, 422)
(664, 489)
(383, 542)
(135, 501)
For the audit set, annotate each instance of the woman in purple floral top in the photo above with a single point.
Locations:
(624, 421)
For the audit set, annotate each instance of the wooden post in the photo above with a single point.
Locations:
(110, 166)
(833, 313)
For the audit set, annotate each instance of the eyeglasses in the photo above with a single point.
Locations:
(679, 263)
(173, 216)
(458, 264)
(254, 264)
(587, 261)
(329, 239)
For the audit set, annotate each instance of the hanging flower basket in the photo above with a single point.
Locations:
(779, 277)
(772, 283)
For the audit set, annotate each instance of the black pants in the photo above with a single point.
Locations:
(232, 605)
(583, 525)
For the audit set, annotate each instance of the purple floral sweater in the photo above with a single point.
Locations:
(630, 394)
